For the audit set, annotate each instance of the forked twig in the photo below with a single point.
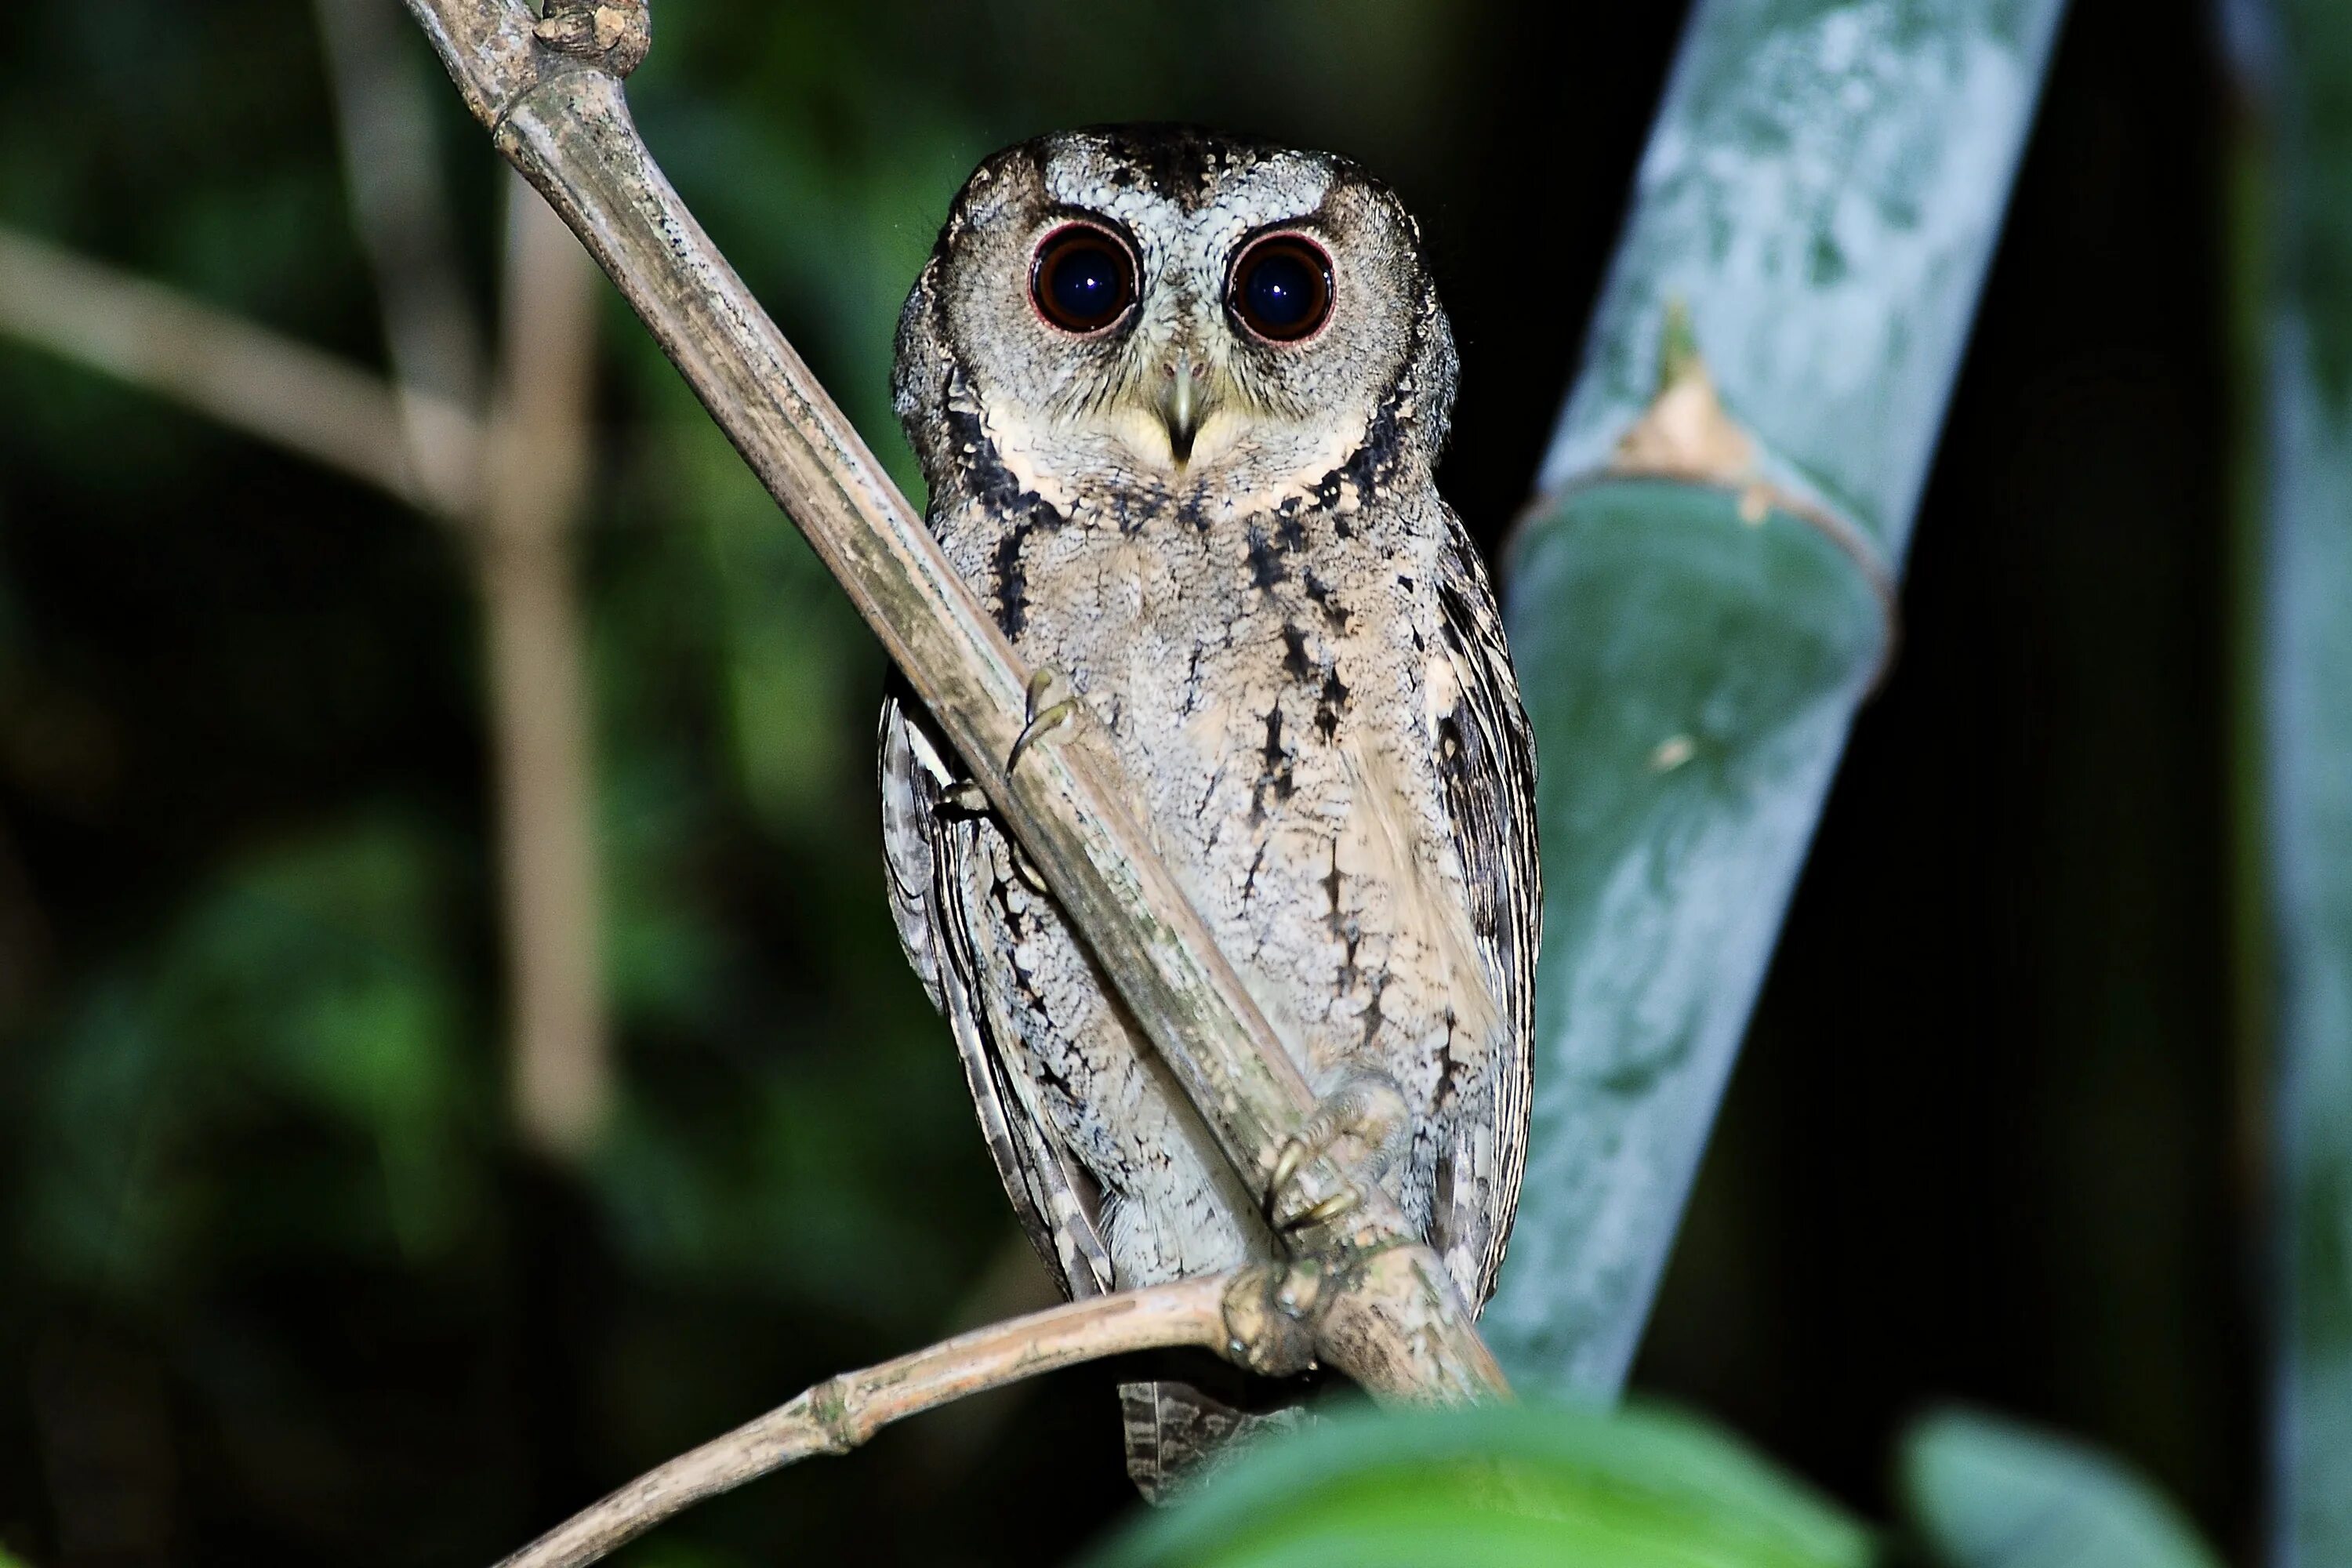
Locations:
(840, 1414)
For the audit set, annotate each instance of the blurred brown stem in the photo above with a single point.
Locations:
(400, 215)
(521, 490)
(538, 668)
(247, 377)
(839, 1415)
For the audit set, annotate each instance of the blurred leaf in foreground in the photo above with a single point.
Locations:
(1498, 1486)
(1983, 1492)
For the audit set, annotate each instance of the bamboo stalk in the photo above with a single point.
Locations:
(2297, 56)
(1703, 593)
(556, 111)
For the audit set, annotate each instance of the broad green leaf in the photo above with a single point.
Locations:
(1988, 1493)
(1496, 1488)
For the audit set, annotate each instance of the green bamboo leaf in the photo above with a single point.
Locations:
(1810, 228)
(1498, 1486)
(1986, 1493)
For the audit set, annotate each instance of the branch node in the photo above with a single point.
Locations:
(829, 1408)
(1271, 1317)
(613, 35)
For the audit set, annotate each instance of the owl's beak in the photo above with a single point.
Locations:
(1183, 403)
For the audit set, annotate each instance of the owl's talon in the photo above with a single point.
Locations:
(1026, 869)
(1038, 728)
(1342, 1202)
(1043, 722)
(1367, 1110)
(1285, 1165)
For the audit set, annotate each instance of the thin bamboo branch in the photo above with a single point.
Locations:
(539, 700)
(841, 1414)
(561, 119)
(245, 376)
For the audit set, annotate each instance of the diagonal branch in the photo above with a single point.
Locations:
(1389, 1316)
(841, 1414)
(245, 375)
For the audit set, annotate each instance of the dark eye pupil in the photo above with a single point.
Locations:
(1086, 281)
(1282, 287)
(1082, 281)
(1280, 290)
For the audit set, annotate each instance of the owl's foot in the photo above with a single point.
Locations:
(1042, 721)
(1363, 1123)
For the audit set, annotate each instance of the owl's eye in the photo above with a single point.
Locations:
(1282, 287)
(1083, 278)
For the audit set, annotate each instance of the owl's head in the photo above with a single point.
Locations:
(1158, 309)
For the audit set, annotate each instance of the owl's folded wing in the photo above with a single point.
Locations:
(927, 842)
(1487, 760)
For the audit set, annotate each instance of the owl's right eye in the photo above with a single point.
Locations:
(1083, 278)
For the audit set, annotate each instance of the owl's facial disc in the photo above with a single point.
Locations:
(1196, 349)
(1217, 317)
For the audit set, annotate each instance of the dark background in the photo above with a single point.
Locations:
(277, 1282)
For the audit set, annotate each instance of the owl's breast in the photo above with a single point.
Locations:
(1267, 685)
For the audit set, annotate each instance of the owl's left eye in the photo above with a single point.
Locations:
(1281, 287)
(1083, 278)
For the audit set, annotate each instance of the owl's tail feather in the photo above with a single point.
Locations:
(1179, 1433)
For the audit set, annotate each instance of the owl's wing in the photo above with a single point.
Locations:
(928, 844)
(1488, 762)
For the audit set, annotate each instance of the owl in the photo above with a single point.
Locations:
(1178, 399)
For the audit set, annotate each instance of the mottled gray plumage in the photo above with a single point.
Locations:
(1288, 640)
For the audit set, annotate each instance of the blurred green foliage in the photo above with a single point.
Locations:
(1988, 1493)
(1536, 1487)
(1505, 1487)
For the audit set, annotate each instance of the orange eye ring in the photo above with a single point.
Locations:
(1082, 280)
(1281, 287)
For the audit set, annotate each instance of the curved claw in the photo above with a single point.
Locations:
(1042, 722)
(1366, 1121)
(1331, 1208)
(1285, 1165)
(1038, 728)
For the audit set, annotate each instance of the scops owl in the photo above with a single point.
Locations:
(1178, 399)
